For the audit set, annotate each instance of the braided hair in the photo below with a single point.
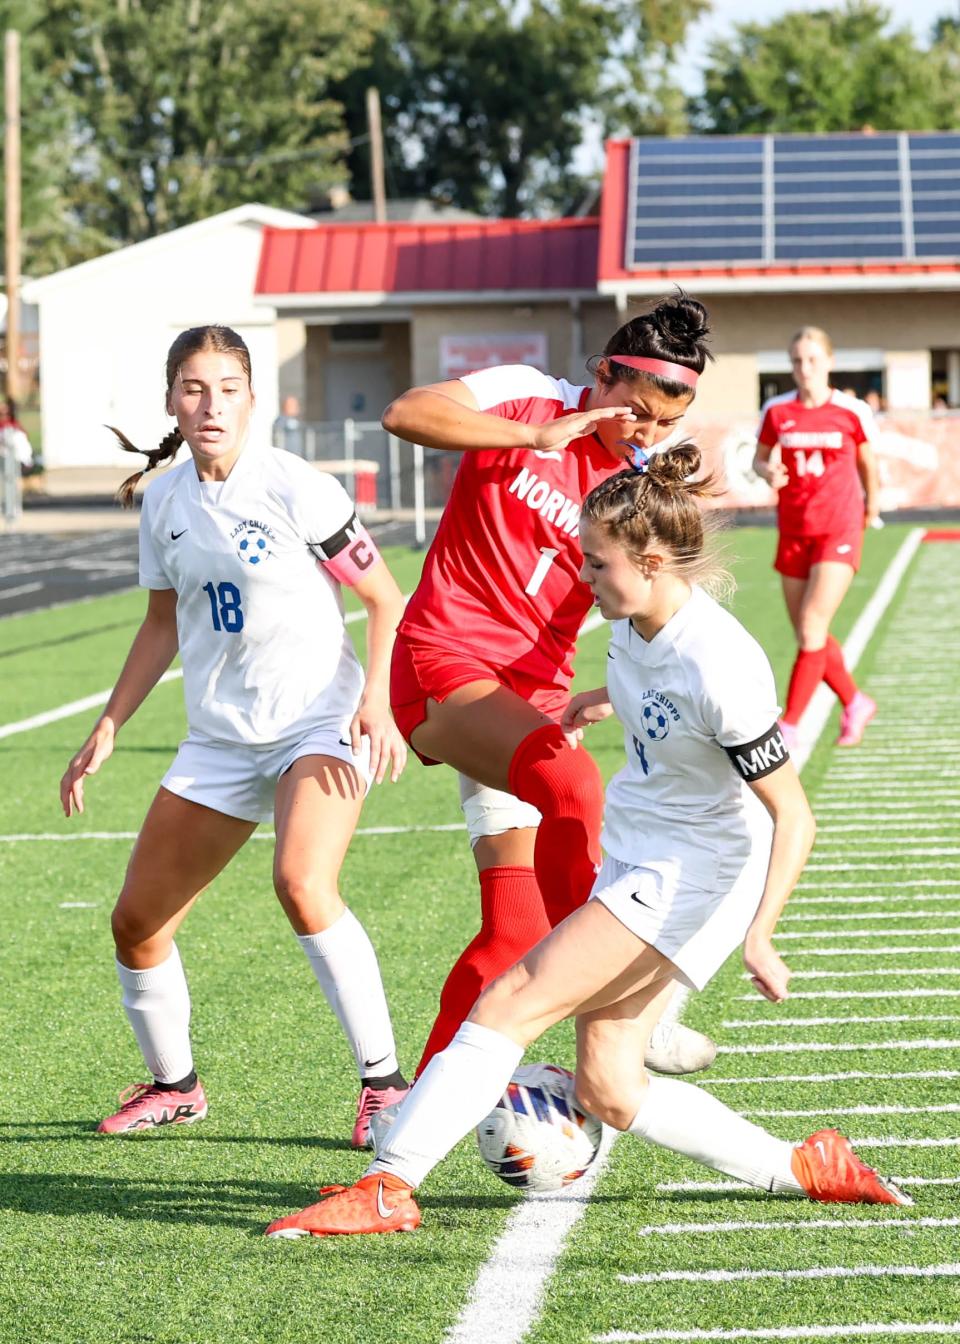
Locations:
(193, 341)
(655, 504)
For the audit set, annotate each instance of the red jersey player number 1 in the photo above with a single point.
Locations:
(814, 449)
(484, 658)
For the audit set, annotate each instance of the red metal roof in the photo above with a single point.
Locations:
(488, 255)
(611, 247)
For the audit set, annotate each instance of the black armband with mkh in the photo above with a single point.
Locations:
(760, 757)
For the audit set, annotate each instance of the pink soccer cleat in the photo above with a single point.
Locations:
(854, 719)
(149, 1105)
(372, 1101)
(830, 1172)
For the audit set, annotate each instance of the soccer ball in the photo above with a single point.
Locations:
(538, 1137)
(655, 723)
(252, 547)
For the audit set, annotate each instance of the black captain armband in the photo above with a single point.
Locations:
(760, 757)
(349, 553)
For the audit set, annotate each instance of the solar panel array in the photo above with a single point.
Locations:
(765, 199)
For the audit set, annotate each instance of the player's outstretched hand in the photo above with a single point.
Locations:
(557, 434)
(388, 751)
(586, 708)
(768, 972)
(88, 760)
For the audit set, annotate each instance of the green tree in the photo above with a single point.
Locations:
(487, 101)
(827, 70)
(181, 108)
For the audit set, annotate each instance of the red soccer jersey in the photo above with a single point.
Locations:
(502, 576)
(818, 446)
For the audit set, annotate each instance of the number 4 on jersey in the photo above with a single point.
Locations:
(808, 464)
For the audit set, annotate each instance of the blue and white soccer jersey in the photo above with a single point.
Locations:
(268, 666)
(687, 842)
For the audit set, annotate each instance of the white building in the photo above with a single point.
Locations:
(106, 326)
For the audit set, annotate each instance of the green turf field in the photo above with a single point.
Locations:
(157, 1237)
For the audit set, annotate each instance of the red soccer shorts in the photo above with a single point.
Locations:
(796, 556)
(421, 672)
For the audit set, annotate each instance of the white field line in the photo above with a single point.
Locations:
(857, 1075)
(873, 933)
(948, 1108)
(903, 822)
(896, 1329)
(29, 836)
(893, 1142)
(867, 914)
(737, 1187)
(948, 1271)
(890, 1224)
(854, 953)
(746, 1023)
(929, 845)
(916, 972)
(67, 711)
(862, 994)
(915, 774)
(872, 884)
(913, 793)
(833, 1047)
(944, 802)
(891, 898)
(898, 856)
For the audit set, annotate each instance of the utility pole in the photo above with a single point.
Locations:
(376, 156)
(11, 170)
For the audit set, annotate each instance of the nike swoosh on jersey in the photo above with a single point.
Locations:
(175, 536)
(844, 550)
(383, 1208)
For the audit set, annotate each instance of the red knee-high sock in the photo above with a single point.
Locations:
(807, 674)
(513, 921)
(836, 673)
(565, 786)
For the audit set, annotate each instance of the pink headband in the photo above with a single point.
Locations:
(678, 373)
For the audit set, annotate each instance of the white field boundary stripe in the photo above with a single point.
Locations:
(874, 933)
(906, 821)
(101, 697)
(948, 1107)
(868, 914)
(899, 857)
(505, 1302)
(737, 1187)
(832, 1047)
(941, 846)
(896, 1328)
(732, 1227)
(20, 589)
(44, 836)
(873, 884)
(749, 1024)
(862, 994)
(856, 953)
(814, 719)
(948, 1271)
(852, 1075)
(915, 971)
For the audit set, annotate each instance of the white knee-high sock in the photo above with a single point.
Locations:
(157, 1004)
(453, 1094)
(346, 966)
(688, 1120)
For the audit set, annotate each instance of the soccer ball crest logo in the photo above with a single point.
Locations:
(538, 1137)
(655, 723)
(253, 546)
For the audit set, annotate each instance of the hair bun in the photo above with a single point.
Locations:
(681, 321)
(674, 466)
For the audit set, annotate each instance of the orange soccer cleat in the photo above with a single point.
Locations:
(830, 1172)
(377, 1203)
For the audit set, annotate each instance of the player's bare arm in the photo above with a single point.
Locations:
(383, 602)
(585, 708)
(770, 468)
(446, 415)
(153, 650)
(867, 471)
(794, 830)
